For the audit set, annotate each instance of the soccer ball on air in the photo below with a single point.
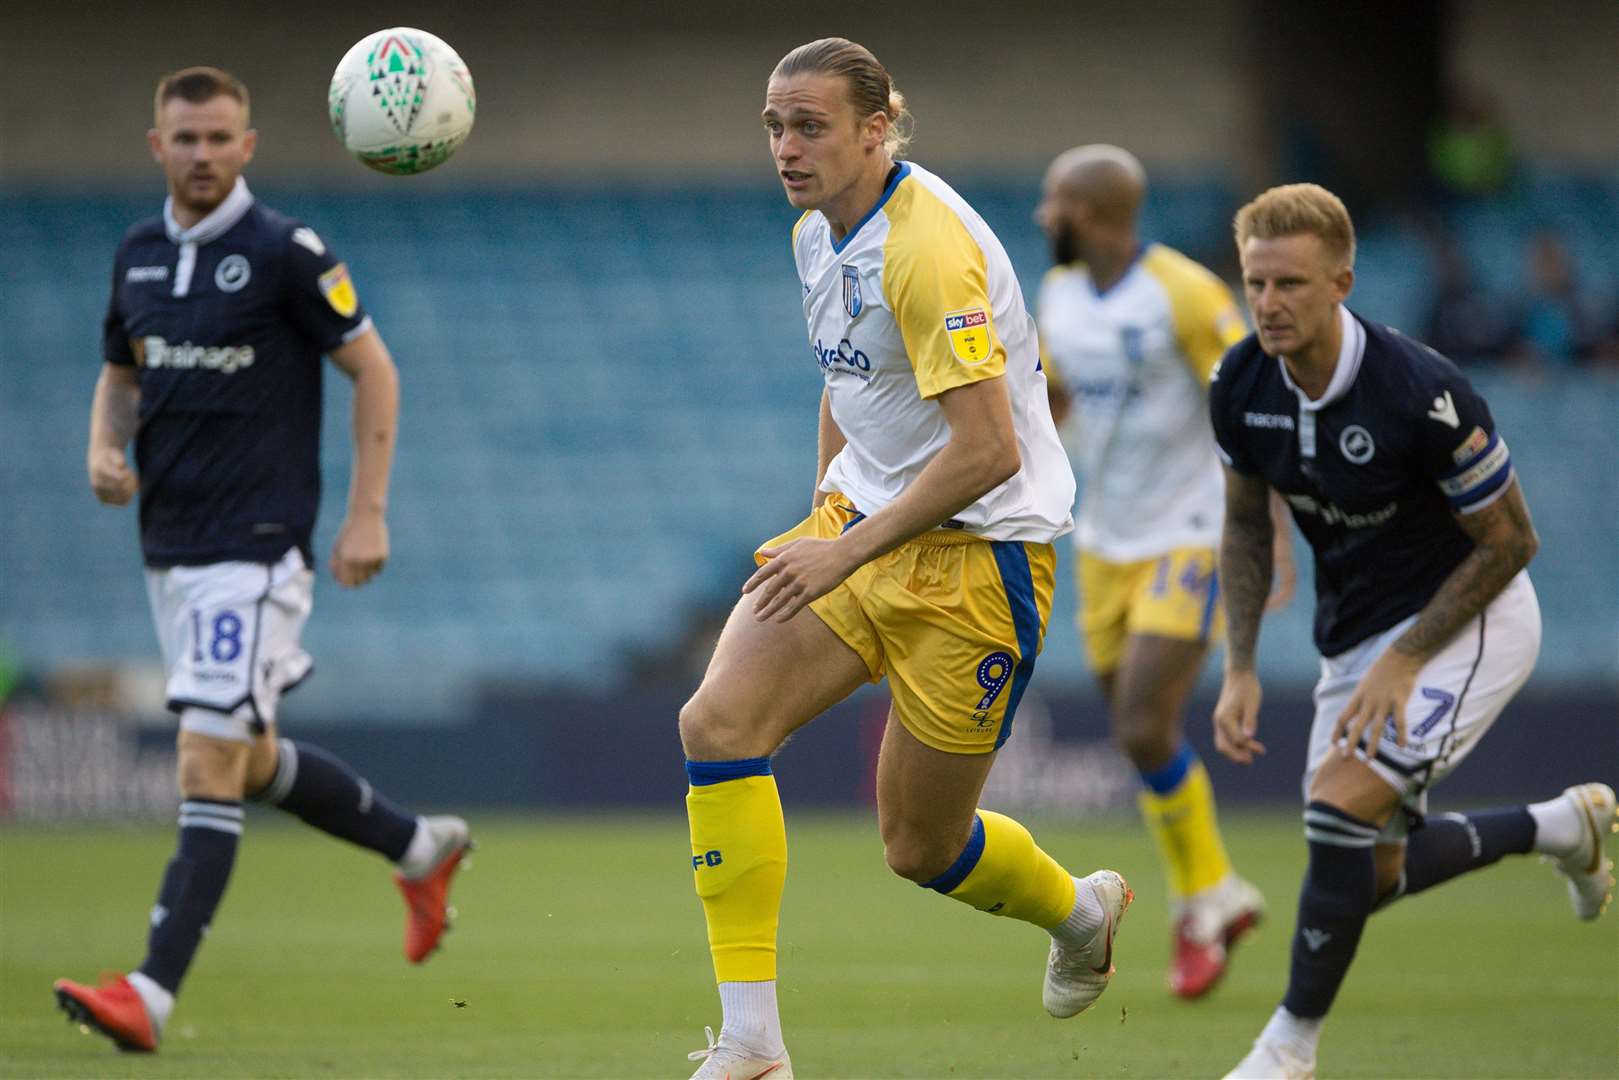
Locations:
(401, 101)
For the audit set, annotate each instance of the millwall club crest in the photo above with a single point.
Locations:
(852, 303)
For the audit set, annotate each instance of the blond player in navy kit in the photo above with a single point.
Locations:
(1425, 617)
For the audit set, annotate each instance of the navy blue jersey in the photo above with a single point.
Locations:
(227, 322)
(1373, 471)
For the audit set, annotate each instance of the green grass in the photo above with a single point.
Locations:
(580, 952)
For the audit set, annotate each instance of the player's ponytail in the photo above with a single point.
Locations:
(871, 90)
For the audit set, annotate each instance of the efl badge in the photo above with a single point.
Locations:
(1474, 445)
(339, 290)
(969, 335)
(851, 292)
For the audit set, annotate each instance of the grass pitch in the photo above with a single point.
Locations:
(580, 952)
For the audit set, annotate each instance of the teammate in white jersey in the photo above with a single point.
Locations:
(927, 559)
(1130, 333)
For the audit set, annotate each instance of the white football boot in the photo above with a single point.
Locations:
(1075, 978)
(1273, 1061)
(724, 1060)
(1588, 869)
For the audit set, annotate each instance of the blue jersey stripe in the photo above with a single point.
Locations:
(900, 172)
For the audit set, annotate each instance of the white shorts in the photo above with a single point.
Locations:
(229, 633)
(1458, 695)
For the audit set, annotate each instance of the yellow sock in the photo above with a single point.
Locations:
(1181, 818)
(739, 860)
(1004, 872)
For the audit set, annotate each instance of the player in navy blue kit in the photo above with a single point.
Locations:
(221, 311)
(1425, 617)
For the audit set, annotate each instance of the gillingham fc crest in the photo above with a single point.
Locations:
(852, 303)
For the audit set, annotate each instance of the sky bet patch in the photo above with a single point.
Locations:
(969, 334)
(339, 290)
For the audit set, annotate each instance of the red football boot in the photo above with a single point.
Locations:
(114, 1008)
(426, 909)
(1214, 921)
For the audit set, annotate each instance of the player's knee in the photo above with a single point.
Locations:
(261, 765)
(916, 856)
(210, 768)
(714, 729)
(1144, 737)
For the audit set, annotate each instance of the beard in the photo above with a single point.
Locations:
(1064, 248)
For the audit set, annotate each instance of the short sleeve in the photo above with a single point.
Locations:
(1053, 376)
(1227, 435)
(115, 347)
(1460, 448)
(1042, 300)
(935, 280)
(1205, 314)
(319, 295)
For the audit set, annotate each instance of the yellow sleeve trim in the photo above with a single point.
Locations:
(1207, 321)
(936, 281)
(799, 224)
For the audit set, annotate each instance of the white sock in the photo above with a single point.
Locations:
(751, 1018)
(1295, 1032)
(1079, 929)
(1559, 826)
(158, 1001)
(418, 857)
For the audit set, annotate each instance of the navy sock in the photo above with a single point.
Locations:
(1339, 889)
(327, 794)
(192, 886)
(1449, 845)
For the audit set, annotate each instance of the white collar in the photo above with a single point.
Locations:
(1351, 350)
(218, 222)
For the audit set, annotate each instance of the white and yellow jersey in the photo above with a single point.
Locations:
(919, 298)
(1135, 361)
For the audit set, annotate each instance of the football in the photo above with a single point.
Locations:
(401, 101)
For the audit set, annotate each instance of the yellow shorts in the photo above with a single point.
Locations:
(955, 622)
(1176, 595)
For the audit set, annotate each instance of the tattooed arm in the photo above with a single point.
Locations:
(1245, 574)
(1246, 555)
(1504, 541)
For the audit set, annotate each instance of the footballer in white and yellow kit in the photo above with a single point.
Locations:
(918, 299)
(927, 558)
(1131, 334)
(1135, 363)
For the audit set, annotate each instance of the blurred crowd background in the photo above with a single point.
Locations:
(608, 397)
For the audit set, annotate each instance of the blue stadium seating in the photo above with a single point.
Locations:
(608, 399)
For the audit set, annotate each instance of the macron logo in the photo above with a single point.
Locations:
(1444, 411)
(1315, 938)
(305, 236)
